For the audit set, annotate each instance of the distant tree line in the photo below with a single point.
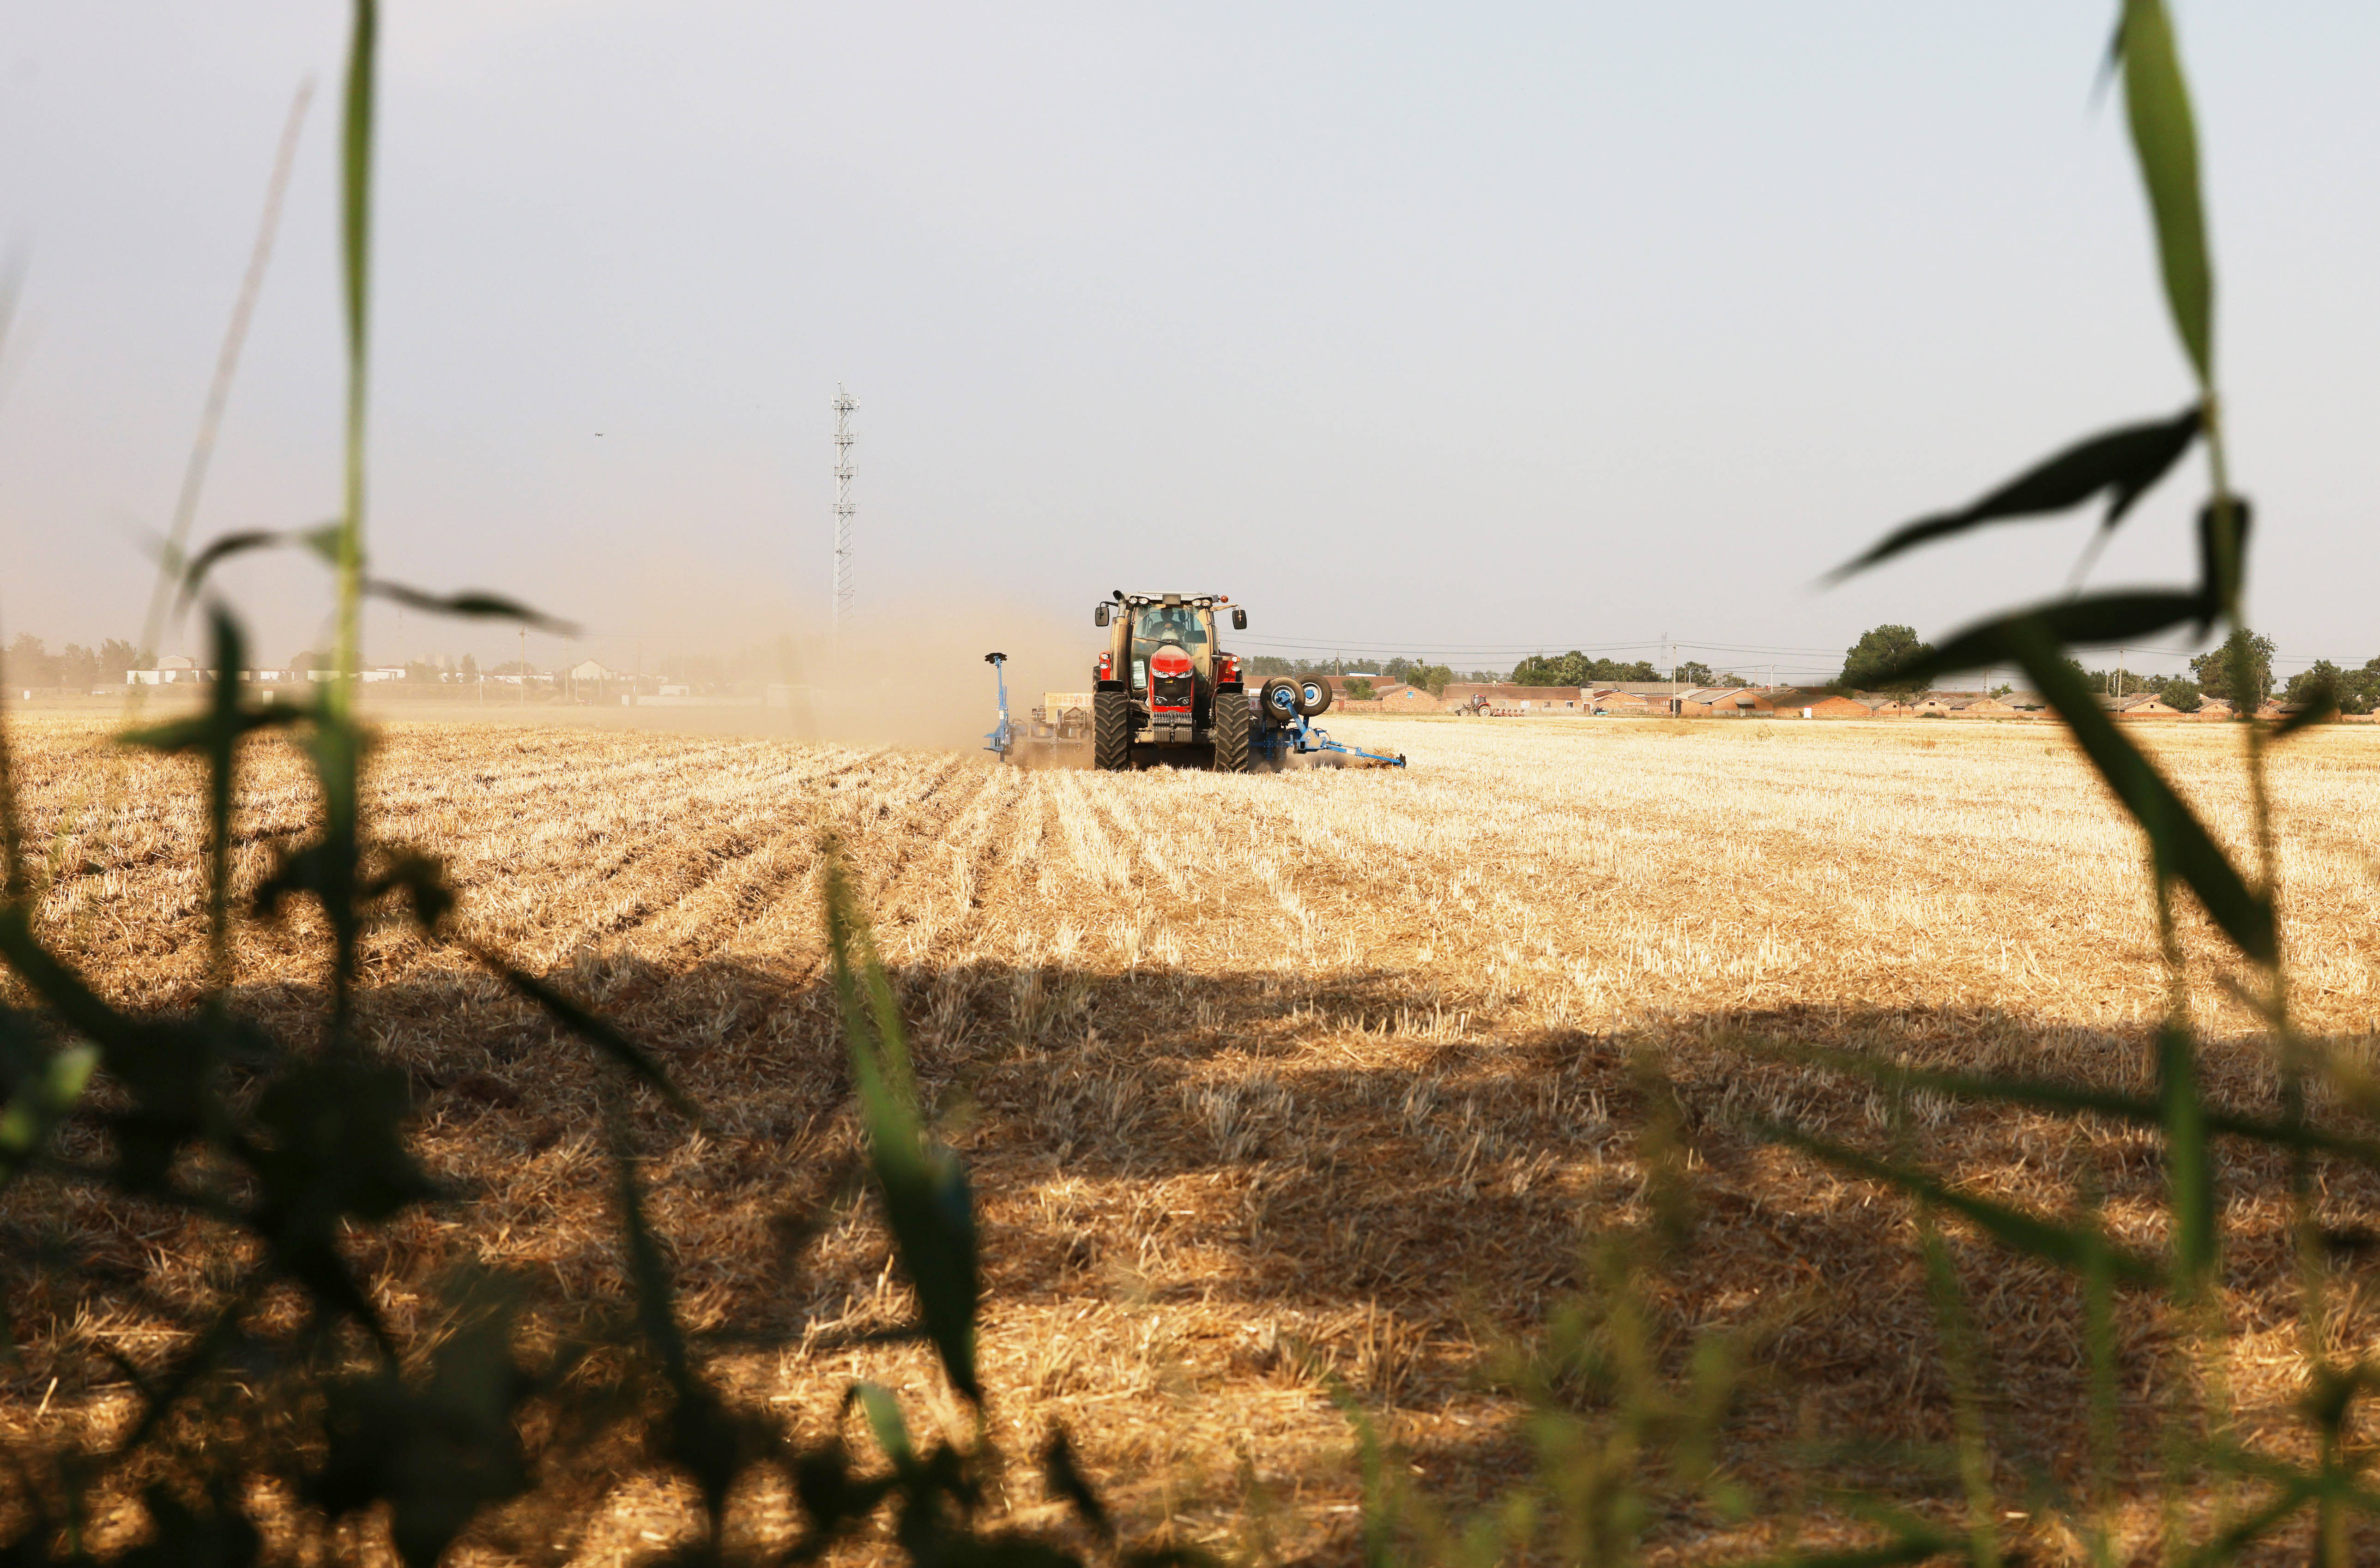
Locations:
(1432, 679)
(1574, 668)
(1866, 664)
(28, 663)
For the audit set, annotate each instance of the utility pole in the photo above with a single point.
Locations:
(844, 588)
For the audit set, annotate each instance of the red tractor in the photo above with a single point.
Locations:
(1165, 683)
(1166, 692)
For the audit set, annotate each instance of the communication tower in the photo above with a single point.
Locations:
(844, 587)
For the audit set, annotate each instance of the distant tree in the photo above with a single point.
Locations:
(2315, 681)
(2361, 692)
(2002, 689)
(1359, 690)
(1867, 662)
(1729, 677)
(420, 670)
(2180, 692)
(1539, 669)
(30, 663)
(116, 656)
(2214, 670)
(310, 660)
(77, 667)
(1694, 673)
(470, 668)
(1572, 668)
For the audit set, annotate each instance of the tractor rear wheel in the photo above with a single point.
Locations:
(1230, 732)
(1111, 731)
(1313, 697)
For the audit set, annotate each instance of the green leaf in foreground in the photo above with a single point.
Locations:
(472, 605)
(2035, 640)
(44, 1098)
(2070, 1246)
(2180, 842)
(2156, 103)
(2099, 618)
(2123, 462)
(924, 1188)
(885, 1422)
(2221, 571)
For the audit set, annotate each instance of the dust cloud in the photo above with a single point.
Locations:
(910, 675)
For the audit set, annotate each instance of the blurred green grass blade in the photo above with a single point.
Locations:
(2034, 640)
(2099, 618)
(2181, 843)
(222, 753)
(2222, 569)
(2156, 103)
(221, 548)
(354, 259)
(2321, 706)
(2062, 1244)
(180, 735)
(927, 1202)
(14, 883)
(469, 605)
(885, 1422)
(355, 173)
(2125, 462)
(42, 1099)
(215, 733)
(2189, 1162)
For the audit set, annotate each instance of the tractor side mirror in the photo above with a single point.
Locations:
(1099, 615)
(1239, 619)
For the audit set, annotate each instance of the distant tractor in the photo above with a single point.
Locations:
(1165, 691)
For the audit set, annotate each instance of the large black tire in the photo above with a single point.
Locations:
(1278, 699)
(1111, 731)
(1232, 731)
(1313, 697)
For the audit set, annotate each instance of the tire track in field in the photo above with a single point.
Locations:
(1093, 852)
(886, 826)
(1133, 827)
(715, 917)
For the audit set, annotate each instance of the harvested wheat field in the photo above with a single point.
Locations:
(1271, 1086)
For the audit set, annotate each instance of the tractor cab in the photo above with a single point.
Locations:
(1183, 627)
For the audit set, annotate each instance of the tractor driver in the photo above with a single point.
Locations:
(1170, 622)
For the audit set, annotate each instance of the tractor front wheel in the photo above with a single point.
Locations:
(1111, 731)
(1230, 732)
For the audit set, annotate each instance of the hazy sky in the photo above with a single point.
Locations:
(1470, 328)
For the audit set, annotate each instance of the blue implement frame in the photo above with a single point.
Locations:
(1002, 736)
(1300, 736)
